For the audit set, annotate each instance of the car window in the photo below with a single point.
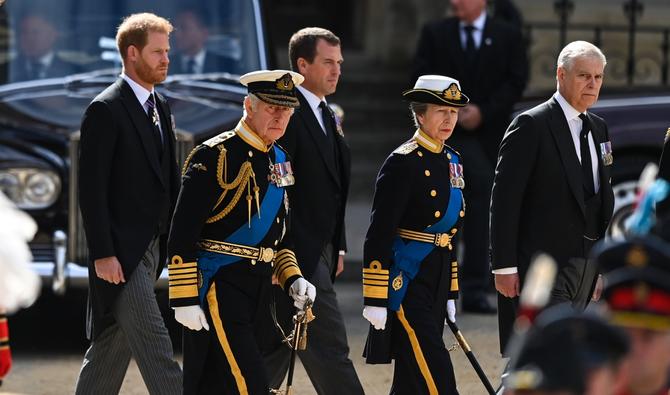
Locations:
(50, 39)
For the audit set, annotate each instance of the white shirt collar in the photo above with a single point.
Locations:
(312, 99)
(46, 60)
(140, 92)
(199, 60)
(478, 23)
(568, 110)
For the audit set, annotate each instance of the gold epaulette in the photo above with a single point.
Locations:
(453, 150)
(375, 281)
(407, 147)
(183, 278)
(219, 138)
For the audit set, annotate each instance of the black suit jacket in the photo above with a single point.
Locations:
(537, 202)
(319, 195)
(214, 63)
(124, 188)
(496, 82)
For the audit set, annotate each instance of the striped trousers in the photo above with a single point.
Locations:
(139, 332)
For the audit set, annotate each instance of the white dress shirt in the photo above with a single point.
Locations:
(477, 32)
(199, 60)
(142, 95)
(314, 102)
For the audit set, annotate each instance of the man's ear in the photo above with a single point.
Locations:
(247, 107)
(560, 73)
(133, 53)
(302, 65)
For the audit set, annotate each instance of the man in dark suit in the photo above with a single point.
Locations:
(552, 190)
(37, 58)
(192, 56)
(321, 162)
(488, 57)
(128, 185)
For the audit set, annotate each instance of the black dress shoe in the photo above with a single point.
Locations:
(478, 305)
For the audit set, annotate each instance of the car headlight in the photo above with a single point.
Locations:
(30, 188)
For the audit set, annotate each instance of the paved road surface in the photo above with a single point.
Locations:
(49, 344)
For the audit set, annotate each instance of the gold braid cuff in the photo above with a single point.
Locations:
(286, 266)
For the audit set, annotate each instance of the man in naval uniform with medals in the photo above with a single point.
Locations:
(229, 235)
(410, 272)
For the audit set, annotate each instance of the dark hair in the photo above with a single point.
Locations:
(303, 44)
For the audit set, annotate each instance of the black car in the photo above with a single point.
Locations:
(61, 56)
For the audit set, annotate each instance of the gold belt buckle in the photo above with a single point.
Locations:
(442, 239)
(266, 255)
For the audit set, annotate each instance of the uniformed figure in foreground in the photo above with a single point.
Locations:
(229, 236)
(568, 353)
(410, 271)
(637, 293)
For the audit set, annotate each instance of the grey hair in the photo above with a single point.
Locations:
(417, 109)
(253, 101)
(579, 49)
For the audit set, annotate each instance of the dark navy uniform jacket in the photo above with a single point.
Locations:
(224, 183)
(412, 193)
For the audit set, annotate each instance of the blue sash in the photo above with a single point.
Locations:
(407, 257)
(210, 262)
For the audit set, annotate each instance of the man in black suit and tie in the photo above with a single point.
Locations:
(37, 57)
(552, 190)
(488, 57)
(192, 57)
(128, 185)
(321, 163)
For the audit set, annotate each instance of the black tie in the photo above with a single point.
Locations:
(327, 118)
(190, 66)
(470, 48)
(155, 123)
(587, 171)
(36, 69)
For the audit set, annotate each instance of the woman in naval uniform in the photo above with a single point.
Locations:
(410, 277)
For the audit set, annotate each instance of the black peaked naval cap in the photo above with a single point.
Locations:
(276, 87)
(437, 89)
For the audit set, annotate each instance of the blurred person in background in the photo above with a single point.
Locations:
(488, 57)
(37, 57)
(190, 55)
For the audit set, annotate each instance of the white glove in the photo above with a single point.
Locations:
(376, 315)
(300, 291)
(19, 283)
(451, 310)
(191, 317)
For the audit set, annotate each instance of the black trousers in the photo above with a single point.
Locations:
(326, 359)
(422, 362)
(226, 359)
